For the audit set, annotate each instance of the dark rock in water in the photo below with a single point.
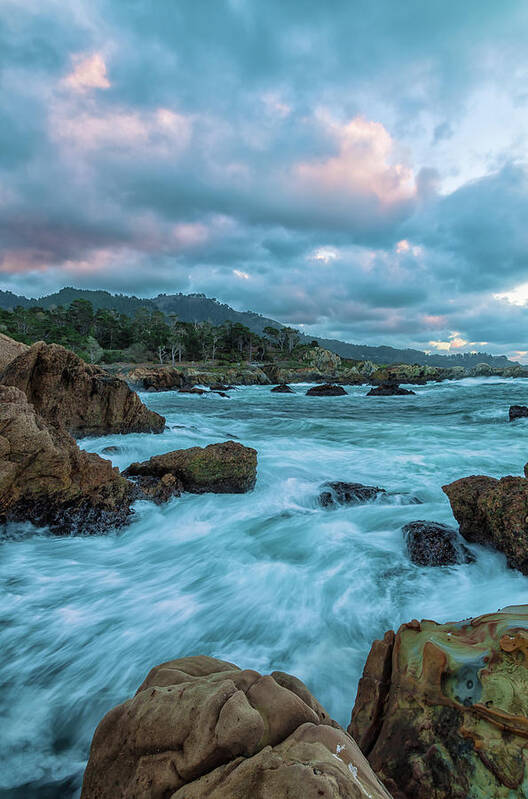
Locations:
(389, 390)
(77, 396)
(434, 544)
(441, 709)
(191, 390)
(111, 450)
(158, 489)
(494, 513)
(220, 393)
(221, 387)
(518, 412)
(47, 480)
(326, 390)
(340, 493)
(227, 468)
(201, 728)
(282, 388)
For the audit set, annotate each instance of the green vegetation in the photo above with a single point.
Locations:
(107, 335)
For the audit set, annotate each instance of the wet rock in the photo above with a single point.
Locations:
(10, 349)
(341, 493)
(200, 728)
(494, 513)
(518, 412)
(111, 450)
(192, 390)
(442, 709)
(220, 393)
(47, 480)
(326, 390)
(282, 388)
(221, 387)
(79, 397)
(227, 468)
(161, 378)
(434, 544)
(389, 390)
(157, 489)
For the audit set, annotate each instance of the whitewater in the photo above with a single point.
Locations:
(267, 580)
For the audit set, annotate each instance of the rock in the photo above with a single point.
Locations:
(192, 390)
(282, 388)
(326, 390)
(389, 390)
(80, 397)
(158, 489)
(442, 709)
(494, 513)
(111, 450)
(518, 412)
(482, 370)
(200, 728)
(434, 544)
(340, 493)
(46, 479)
(220, 387)
(220, 393)
(322, 359)
(10, 349)
(227, 468)
(162, 378)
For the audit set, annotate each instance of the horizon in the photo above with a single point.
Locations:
(349, 173)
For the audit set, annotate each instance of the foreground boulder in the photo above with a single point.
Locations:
(326, 390)
(434, 544)
(80, 397)
(494, 513)
(10, 349)
(340, 493)
(200, 727)
(227, 468)
(389, 390)
(46, 479)
(518, 412)
(282, 388)
(442, 709)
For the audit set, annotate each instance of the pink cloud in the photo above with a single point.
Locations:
(89, 72)
(364, 164)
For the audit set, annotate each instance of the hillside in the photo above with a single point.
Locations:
(199, 308)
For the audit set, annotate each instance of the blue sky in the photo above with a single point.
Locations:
(355, 167)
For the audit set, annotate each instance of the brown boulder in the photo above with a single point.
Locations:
(442, 709)
(46, 479)
(326, 390)
(162, 378)
(493, 512)
(10, 349)
(200, 727)
(81, 397)
(227, 468)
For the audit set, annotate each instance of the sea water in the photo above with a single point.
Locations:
(266, 580)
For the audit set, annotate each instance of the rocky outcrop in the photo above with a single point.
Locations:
(10, 349)
(442, 709)
(282, 388)
(163, 378)
(389, 390)
(434, 544)
(518, 412)
(324, 360)
(341, 493)
(46, 479)
(227, 468)
(494, 513)
(326, 390)
(80, 397)
(200, 728)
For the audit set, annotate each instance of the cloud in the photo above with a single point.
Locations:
(89, 72)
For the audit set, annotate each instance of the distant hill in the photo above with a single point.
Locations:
(199, 308)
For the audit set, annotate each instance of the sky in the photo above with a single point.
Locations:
(357, 169)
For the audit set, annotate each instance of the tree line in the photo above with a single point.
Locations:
(109, 336)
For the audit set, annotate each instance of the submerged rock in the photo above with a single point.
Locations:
(341, 493)
(79, 397)
(282, 388)
(493, 512)
(389, 390)
(192, 390)
(434, 544)
(200, 728)
(227, 468)
(46, 479)
(518, 412)
(326, 390)
(442, 709)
